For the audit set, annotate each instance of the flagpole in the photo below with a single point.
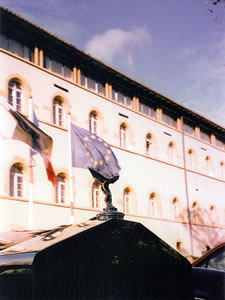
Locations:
(30, 205)
(70, 171)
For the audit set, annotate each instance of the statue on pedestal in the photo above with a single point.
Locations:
(110, 211)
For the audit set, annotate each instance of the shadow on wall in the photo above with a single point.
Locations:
(205, 233)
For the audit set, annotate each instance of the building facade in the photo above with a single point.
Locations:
(172, 159)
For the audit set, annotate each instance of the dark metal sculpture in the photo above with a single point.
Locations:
(107, 192)
(110, 211)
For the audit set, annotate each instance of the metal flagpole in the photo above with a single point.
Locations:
(70, 171)
(30, 206)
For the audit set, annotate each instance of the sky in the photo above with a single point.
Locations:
(175, 47)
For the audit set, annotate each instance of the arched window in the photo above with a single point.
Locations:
(123, 136)
(190, 159)
(96, 195)
(212, 214)
(152, 205)
(148, 143)
(93, 122)
(175, 208)
(194, 212)
(16, 181)
(179, 246)
(58, 112)
(222, 169)
(61, 188)
(126, 200)
(15, 94)
(207, 165)
(171, 152)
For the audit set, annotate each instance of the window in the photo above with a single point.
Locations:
(28, 53)
(147, 108)
(96, 195)
(189, 127)
(15, 94)
(121, 97)
(204, 135)
(179, 246)
(99, 88)
(16, 47)
(123, 136)
(126, 200)
(61, 188)
(219, 142)
(148, 143)
(194, 212)
(16, 181)
(4, 42)
(208, 165)
(190, 159)
(93, 122)
(175, 208)
(20, 50)
(152, 205)
(67, 72)
(58, 67)
(169, 118)
(58, 112)
(92, 84)
(212, 214)
(171, 152)
(222, 169)
(217, 260)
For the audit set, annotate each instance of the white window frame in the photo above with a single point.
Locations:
(127, 101)
(171, 153)
(126, 201)
(175, 209)
(16, 102)
(152, 207)
(222, 169)
(148, 144)
(96, 196)
(96, 83)
(61, 190)
(194, 213)
(58, 112)
(93, 123)
(208, 166)
(147, 110)
(212, 214)
(190, 159)
(123, 136)
(16, 182)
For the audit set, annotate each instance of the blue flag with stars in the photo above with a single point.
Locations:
(91, 152)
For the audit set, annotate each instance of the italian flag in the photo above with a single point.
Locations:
(13, 125)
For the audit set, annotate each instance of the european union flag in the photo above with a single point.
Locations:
(91, 152)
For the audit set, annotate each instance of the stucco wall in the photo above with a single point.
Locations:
(143, 175)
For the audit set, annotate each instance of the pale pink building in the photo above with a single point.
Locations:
(172, 159)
